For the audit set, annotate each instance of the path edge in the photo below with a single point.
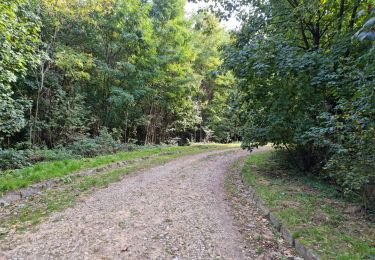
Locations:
(301, 249)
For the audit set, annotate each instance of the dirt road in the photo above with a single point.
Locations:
(178, 210)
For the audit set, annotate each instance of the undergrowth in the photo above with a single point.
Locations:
(315, 211)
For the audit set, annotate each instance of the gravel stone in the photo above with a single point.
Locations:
(287, 235)
(275, 221)
(300, 248)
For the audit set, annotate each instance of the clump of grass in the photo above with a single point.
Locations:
(312, 209)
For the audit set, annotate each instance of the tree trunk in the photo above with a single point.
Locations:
(341, 13)
(126, 126)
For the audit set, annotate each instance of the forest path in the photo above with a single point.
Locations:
(178, 210)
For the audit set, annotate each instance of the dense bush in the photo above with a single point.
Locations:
(19, 158)
(12, 158)
(102, 144)
(307, 85)
(58, 153)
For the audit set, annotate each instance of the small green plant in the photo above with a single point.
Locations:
(259, 250)
(258, 237)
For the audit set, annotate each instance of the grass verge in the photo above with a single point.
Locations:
(33, 210)
(312, 210)
(15, 179)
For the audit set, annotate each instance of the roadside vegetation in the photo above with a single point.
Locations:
(305, 73)
(315, 212)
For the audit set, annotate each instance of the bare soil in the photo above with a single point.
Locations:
(178, 210)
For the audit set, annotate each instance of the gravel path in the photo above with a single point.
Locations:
(178, 210)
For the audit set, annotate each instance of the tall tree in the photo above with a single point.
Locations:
(307, 85)
(19, 30)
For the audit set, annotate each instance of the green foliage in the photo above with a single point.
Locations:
(12, 114)
(20, 158)
(217, 93)
(65, 118)
(82, 147)
(306, 84)
(99, 145)
(18, 34)
(141, 69)
(366, 32)
(11, 159)
(90, 76)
